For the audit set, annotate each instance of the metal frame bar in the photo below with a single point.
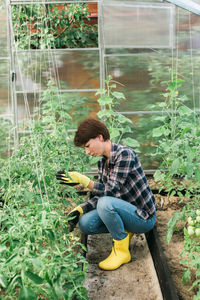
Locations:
(59, 91)
(12, 75)
(187, 4)
(56, 50)
(18, 2)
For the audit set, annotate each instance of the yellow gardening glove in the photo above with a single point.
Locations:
(77, 177)
(77, 212)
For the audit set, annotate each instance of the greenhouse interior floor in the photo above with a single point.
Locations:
(132, 281)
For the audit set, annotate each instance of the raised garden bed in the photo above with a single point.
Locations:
(166, 257)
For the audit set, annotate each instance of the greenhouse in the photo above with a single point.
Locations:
(88, 91)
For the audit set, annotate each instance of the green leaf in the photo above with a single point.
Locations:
(113, 86)
(122, 119)
(3, 281)
(158, 175)
(189, 170)
(184, 110)
(197, 174)
(27, 294)
(171, 224)
(50, 234)
(100, 92)
(186, 276)
(12, 257)
(131, 142)
(3, 248)
(160, 118)
(34, 277)
(157, 132)
(114, 132)
(105, 101)
(118, 95)
(175, 164)
(105, 113)
(44, 221)
(162, 104)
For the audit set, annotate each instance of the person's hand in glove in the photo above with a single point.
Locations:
(76, 178)
(76, 213)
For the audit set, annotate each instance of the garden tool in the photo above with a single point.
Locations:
(75, 178)
(77, 212)
(120, 255)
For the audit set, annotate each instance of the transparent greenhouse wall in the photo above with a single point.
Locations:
(72, 70)
(5, 106)
(69, 69)
(141, 72)
(139, 60)
(129, 25)
(4, 60)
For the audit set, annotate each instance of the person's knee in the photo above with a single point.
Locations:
(103, 204)
(83, 225)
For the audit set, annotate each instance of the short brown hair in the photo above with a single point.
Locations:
(90, 129)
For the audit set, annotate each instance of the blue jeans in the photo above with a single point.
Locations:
(114, 215)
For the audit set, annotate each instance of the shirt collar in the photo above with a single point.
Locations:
(112, 153)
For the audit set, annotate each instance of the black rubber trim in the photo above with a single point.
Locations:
(167, 286)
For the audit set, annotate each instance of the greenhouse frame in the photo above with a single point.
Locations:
(116, 25)
(99, 149)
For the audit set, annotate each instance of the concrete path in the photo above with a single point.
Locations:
(136, 280)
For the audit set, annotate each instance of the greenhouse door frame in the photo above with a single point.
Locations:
(14, 54)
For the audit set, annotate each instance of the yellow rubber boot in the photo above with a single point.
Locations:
(130, 235)
(120, 255)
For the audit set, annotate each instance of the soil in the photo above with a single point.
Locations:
(166, 207)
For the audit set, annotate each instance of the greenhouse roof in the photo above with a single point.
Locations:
(187, 4)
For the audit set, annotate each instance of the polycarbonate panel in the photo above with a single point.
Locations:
(69, 69)
(138, 25)
(142, 132)
(141, 78)
(79, 105)
(3, 32)
(4, 86)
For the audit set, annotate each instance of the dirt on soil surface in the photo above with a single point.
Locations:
(166, 208)
(133, 281)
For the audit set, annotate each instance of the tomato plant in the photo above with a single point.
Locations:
(53, 26)
(39, 257)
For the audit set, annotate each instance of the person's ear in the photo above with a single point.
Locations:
(100, 136)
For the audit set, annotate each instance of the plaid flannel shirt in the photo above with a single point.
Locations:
(122, 178)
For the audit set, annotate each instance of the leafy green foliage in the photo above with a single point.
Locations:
(39, 257)
(190, 254)
(119, 126)
(177, 137)
(53, 26)
(191, 250)
(6, 140)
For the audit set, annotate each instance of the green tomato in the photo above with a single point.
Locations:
(197, 232)
(198, 219)
(190, 221)
(198, 212)
(190, 230)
